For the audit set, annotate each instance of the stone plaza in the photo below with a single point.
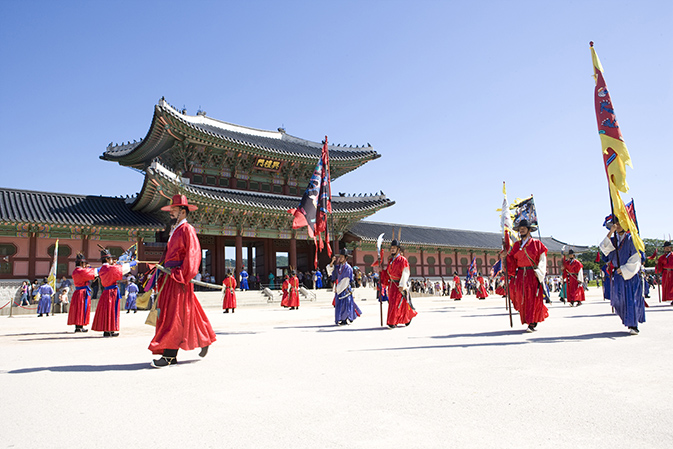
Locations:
(458, 376)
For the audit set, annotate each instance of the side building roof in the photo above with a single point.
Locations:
(32, 207)
(450, 238)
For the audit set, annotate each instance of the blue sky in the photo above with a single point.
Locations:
(457, 96)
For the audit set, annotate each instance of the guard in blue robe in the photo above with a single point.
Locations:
(341, 273)
(132, 290)
(244, 280)
(44, 305)
(318, 279)
(626, 287)
(606, 281)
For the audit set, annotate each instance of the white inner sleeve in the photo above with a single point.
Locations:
(343, 285)
(580, 276)
(330, 270)
(404, 279)
(631, 267)
(126, 267)
(541, 270)
(606, 246)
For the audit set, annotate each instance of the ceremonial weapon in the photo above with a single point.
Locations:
(509, 302)
(660, 284)
(193, 281)
(379, 244)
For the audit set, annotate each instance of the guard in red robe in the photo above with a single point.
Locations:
(500, 285)
(573, 273)
(106, 319)
(80, 304)
(457, 291)
(229, 286)
(481, 288)
(285, 288)
(527, 262)
(396, 277)
(665, 270)
(291, 285)
(182, 323)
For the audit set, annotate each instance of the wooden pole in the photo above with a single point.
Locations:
(509, 302)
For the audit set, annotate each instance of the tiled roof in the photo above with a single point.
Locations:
(26, 206)
(452, 238)
(273, 202)
(277, 142)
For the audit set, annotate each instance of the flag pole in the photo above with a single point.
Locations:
(509, 302)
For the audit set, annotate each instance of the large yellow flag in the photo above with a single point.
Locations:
(615, 154)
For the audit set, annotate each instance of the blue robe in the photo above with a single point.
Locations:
(318, 279)
(344, 304)
(132, 290)
(606, 282)
(626, 295)
(244, 280)
(44, 305)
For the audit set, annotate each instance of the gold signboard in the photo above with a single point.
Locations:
(267, 164)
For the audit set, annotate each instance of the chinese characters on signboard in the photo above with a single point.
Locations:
(267, 164)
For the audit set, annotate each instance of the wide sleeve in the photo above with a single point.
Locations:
(606, 246)
(632, 266)
(345, 281)
(541, 269)
(660, 265)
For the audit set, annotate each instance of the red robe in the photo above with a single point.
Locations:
(481, 290)
(182, 323)
(106, 318)
(457, 292)
(574, 290)
(665, 268)
(399, 310)
(525, 289)
(285, 288)
(80, 304)
(291, 299)
(500, 286)
(229, 284)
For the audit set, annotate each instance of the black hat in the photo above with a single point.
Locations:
(571, 252)
(80, 258)
(104, 254)
(525, 223)
(667, 244)
(45, 280)
(395, 243)
(344, 252)
(292, 273)
(228, 272)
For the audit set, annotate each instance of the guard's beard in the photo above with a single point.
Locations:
(172, 222)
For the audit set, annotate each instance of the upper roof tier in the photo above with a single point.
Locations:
(169, 125)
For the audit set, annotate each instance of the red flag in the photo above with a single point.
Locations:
(653, 256)
(598, 257)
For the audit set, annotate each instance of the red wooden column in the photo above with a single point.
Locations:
(439, 258)
(293, 251)
(32, 251)
(422, 263)
(219, 269)
(455, 262)
(487, 264)
(239, 254)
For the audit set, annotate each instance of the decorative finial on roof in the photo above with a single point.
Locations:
(369, 144)
(281, 130)
(591, 44)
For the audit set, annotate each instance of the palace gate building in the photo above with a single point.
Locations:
(244, 181)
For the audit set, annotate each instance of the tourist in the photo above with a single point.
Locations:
(573, 272)
(132, 295)
(345, 308)
(527, 262)
(626, 290)
(80, 303)
(318, 279)
(25, 294)
(229, 293)
(182, 323)
(396, 277)
(44, 304)
(271, 281)
(106, 319)
(664, 269)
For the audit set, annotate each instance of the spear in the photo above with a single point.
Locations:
(379, 244)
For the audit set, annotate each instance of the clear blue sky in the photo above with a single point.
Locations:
(457, 96)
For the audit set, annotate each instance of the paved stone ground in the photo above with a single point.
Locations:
(459, 376)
